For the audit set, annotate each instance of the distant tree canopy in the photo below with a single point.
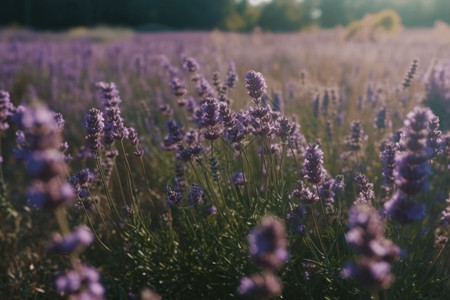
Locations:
(277, 15)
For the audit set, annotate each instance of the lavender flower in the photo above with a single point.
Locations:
(296, 217)
(204, 89)
(81, 181)
(381, 120)
(388, 160)
(238, 178)
(404, 209)
(266, 285)
(313, 170)
(354, 140)
(6, 108)
(94, 125)
(177, 87)
(412, 167)
(109, 95)
(76, 241)
(190, 64)
(114, 128)
(40, 140)
(315, 105)
(366, 194)
(175, 135)
(366, 235)
(195, 196)
(410, 74)
(81, 283)
(256, 85)
(445, 214)
(267, 244)
(173, 197)
(304, 194)
(232, 76)
(434, 137)
(370, 274)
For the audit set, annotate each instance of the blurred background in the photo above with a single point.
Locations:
(232, 15)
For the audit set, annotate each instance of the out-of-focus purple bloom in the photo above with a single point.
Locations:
(256, 85)
(204, 89)
(268, 244)
(109, 95)
(381, 120)
(232, 77)
(81, 283)
(76, 241)
(6, 108)
(434, 138)
(212, 210)
(366, 194)
(412, 167)
(313, 170)
(49, 194)
(238, 178)
(166, 110)
(388, 160)
(315, 104)
(445, 214)
(173, 197)
(354, 140)
(94, 126)
(296, 217)
(403, 209)
(370, 274)
(190, 64)
(284, 129)
(175, 134)
(366, 234)
(195, 196)
(264, 286)
(278, 103)
(81, 181)
(304, 194)
(177, 87)
(410, 74)
(326, 190)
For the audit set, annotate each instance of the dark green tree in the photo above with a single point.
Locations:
(282, 15)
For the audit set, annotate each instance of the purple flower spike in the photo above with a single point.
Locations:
(375, 252)
(267, 244)
(6, 108)
(109, 95)
(263, 286)
(256, 85)
(195, 196)
(94, 126)
(313, 167)
(77, 241)
(81, 283)
(190, 64)
(403, 209)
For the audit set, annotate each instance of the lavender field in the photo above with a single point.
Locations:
(214, 165)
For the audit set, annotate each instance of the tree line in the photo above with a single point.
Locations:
(236, 15)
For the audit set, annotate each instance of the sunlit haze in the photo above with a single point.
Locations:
(257, 2)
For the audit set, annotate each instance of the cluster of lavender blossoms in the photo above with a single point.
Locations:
(268, 250)
(6, 110)
(39, 139)
(39, 142)
(411, 168)
(375, 252)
